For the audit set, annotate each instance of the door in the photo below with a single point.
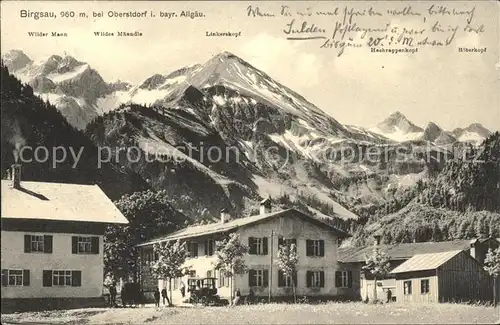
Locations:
(380, 291)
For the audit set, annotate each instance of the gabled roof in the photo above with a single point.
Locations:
(402, 251)
(58, 201)
(424, 262)
(266, 200)
(214, 228)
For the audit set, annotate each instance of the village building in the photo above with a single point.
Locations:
(52, 242)
(353, 258)
(317, 247)
(453, 276)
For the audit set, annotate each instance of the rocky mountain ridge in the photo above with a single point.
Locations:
(81, 95)
(399, 128)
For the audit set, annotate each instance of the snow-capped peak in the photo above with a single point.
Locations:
(397, 127)
(473, 133)
(15, 60)
(398, 121)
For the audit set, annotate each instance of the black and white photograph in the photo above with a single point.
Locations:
(260, 162)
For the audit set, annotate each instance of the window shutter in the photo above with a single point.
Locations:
(309, 279)
(47, 244)
(206, 248)
(309, 247)
(294, 278)
(47, 278)
(281, 278)
(76, 278)
(27, 243)
(251, 278)
(74, 244)
(211, 244)
(5, 277)
(251, 246)
(264, 246)
(95, 245)
(338, 279)
(321, 248)
(195, 249)
(349, 279)
(280, 241)
(322, 279)
(265, 280)
(26, 278)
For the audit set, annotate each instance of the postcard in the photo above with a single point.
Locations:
(258, 162)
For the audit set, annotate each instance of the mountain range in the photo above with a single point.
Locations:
(276, 142)
(397, 127)
(81, 94)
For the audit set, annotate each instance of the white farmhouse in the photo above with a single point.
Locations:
(317, 245)
(52, 242)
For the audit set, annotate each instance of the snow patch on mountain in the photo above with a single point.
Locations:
(155, 146)
(467, 136)
(60, 77)
(474, 133)
(397, 134)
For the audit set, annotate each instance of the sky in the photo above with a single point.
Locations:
(437, 84)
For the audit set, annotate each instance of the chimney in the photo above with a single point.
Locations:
(473, 248)
(376, 242)
(16, 176)
(224, 216)
(265, 206)
(479, 249)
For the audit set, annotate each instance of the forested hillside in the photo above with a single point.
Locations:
(462, 201)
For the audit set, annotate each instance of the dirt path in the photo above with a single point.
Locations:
(331, 313)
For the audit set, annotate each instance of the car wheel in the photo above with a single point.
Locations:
(204, 300)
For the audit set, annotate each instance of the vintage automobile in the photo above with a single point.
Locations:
(204, 291)
(131, 294)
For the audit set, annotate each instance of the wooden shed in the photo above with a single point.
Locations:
(441, 277)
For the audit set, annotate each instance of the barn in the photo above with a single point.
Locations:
(451, 276)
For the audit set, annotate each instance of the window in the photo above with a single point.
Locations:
(315, 248)
(424, 286)
(258, 246)
(37, 244)
(258, 278)
(61, 278)
(223, 281)
(149, 256)
(286, 281)
(15, 278)
(407, 287)
(85, 245)
(315, 279)
(286, 241)
(343, 279)
(209, 247)
(192, 248)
